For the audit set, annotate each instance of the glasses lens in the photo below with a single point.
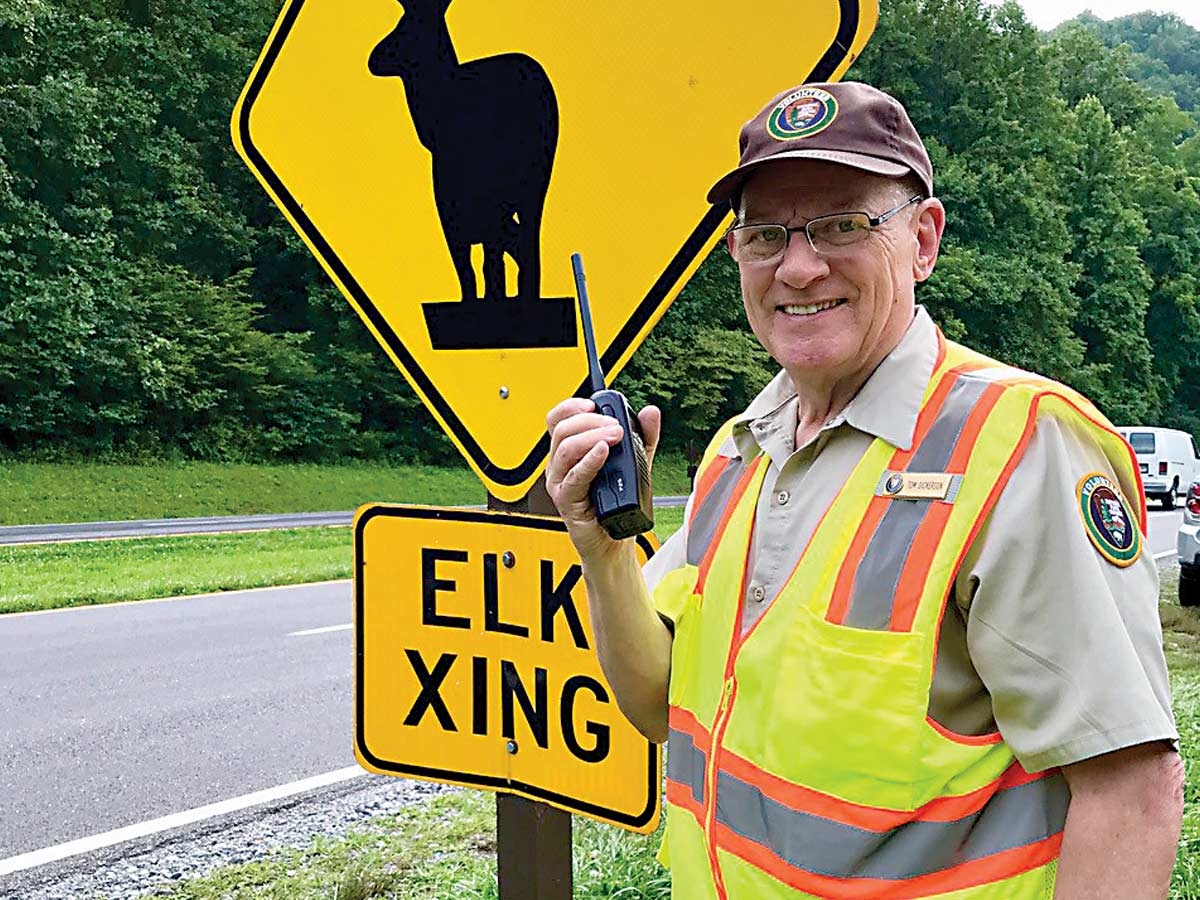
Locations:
(842, 230)
(757, 243)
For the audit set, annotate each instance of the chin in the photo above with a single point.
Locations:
(816, 361)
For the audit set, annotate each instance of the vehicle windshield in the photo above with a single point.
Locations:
(1142, 441)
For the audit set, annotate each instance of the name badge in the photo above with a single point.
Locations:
(919, 486)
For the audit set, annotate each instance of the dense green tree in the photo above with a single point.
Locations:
(1113, 286)
(975, 81)
(701, 364)
(153, 301)
(1165, 52)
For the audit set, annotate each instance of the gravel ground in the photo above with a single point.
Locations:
(141, 868)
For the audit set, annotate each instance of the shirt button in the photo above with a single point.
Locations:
(758, 593)
(782, 498)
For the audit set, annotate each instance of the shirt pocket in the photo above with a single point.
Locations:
(849, 710)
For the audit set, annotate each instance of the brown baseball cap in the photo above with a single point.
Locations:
(848, 123)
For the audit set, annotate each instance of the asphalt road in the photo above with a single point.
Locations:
(114, 715)
(1164, 525)
(94, 531)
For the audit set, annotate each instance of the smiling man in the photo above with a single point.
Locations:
(907, 643)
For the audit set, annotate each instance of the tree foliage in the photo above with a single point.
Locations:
(153, 302)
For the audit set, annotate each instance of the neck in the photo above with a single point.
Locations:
(821, 402)
(823, 395)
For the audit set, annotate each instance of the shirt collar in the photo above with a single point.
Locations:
(886, 406)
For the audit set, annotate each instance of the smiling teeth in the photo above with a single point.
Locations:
(809, 310)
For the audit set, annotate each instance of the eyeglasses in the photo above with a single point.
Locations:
(827, 235)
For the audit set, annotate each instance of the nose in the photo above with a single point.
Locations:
(801, 265)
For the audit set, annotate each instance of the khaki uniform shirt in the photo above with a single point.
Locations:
(1046, 640)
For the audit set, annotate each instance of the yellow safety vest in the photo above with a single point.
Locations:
(802, 761)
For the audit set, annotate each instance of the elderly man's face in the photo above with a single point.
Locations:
(825, 318)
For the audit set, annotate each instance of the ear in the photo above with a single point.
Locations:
(930, 221)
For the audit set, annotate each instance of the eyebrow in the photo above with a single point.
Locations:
(859, 204)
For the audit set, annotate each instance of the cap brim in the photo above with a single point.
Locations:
(724, 189)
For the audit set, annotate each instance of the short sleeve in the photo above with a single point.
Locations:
(1067, 642)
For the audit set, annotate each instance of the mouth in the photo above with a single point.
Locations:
(810, 309)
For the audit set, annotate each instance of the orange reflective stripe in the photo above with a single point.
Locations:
(911, 584)
(738, 491)
(706, 481)
(803, 799)
(1006, 864)
(679, 796)
(970, 740)
(844, 585)
(684, 720)
(998, 841)
(711, 807)
(708, 510)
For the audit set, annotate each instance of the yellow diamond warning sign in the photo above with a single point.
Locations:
(443, 160)
(476, 664)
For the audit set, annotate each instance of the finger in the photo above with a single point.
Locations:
(580, 423)
(572, 406)
(569, 450)
(650, 418)
(572, 449)
(580, 476)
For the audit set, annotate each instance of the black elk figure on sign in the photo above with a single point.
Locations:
(491, 127)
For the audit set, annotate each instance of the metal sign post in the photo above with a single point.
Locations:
(533, 840)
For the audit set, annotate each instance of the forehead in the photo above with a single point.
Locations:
(809, 187)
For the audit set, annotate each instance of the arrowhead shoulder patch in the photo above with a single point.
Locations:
(1108, 520)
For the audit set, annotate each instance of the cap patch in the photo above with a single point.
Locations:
(1108, 520)
(801, 114)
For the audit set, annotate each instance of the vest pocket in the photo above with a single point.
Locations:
(848, 708)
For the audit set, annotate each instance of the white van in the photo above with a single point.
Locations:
(1167, 458)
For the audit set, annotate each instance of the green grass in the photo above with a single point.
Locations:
(51, 576)
(34, 493)
(50, 492)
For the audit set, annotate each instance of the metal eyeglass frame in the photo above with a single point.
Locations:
(873, 222)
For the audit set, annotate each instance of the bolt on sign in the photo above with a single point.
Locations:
(442, 160)
(476, 664)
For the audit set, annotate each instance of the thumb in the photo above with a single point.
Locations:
(650, 418)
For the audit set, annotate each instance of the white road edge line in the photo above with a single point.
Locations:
(1165, 553)
(325, 630)
(175, 820)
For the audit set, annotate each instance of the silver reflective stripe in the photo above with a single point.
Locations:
(878, 573)
(703, 526)
(1012, 818)
(685, 763)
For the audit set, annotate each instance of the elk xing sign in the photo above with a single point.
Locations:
(475, 664)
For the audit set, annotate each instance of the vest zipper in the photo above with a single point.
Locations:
(710, 779)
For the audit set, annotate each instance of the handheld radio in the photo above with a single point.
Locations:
(620, 492)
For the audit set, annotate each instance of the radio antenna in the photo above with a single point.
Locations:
(595, 373)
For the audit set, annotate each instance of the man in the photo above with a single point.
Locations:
(907, 642)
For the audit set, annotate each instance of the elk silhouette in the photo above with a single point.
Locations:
(491, 126)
